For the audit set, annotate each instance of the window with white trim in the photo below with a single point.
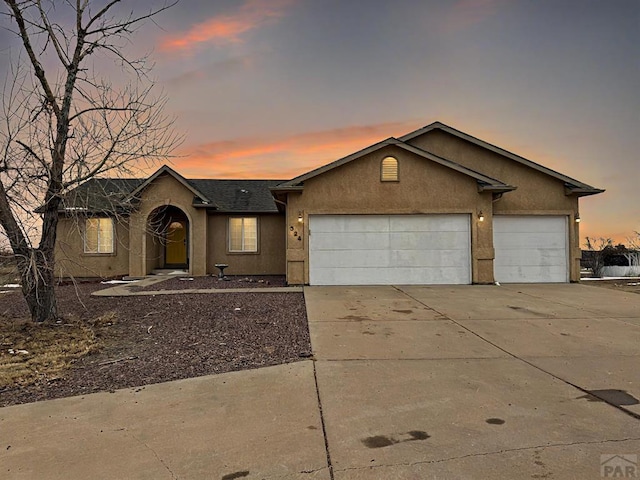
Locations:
(99, 235)
(389, 170)
(243, 234)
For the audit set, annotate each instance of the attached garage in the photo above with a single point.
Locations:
(531, 249)
(389, 249)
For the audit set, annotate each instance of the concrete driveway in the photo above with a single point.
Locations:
(476, 382)
(467, 382)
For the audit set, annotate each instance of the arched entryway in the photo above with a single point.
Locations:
(168, 230)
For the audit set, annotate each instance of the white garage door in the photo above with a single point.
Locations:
(530, 249)
(389, 249)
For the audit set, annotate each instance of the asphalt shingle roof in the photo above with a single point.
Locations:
(238, 195)
(226, 196)
(100, 194)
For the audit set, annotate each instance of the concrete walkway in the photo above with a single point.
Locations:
(130, 289)
(408, 383)
(256, 424)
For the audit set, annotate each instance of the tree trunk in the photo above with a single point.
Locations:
(38, 285)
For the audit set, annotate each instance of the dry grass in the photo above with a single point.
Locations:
(8, 270)
(8, 276)
(32, 352)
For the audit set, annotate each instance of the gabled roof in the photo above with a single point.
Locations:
(572, 185)
(165, 169)
(484, 182)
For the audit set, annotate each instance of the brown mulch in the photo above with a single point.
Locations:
(150, 339)
(238, 281)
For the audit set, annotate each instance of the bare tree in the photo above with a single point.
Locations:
(596, 248)
(63, 123)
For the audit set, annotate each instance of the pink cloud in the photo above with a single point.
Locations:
(466, 13)
(228, 28)
(283, 157)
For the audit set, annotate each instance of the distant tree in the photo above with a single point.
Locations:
(62, 123)
(596, 248)
(615, 255)
(633, 255)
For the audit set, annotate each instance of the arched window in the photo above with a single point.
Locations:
(389, 170)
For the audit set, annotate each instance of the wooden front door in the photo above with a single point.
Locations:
(176, 249)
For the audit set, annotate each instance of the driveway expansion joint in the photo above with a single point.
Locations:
(322, 422)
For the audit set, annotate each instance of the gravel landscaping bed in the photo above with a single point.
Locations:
(141, 340)
(237, 281)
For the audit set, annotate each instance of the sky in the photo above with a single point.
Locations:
(274, 88)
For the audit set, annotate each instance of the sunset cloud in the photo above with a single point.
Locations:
(283, 157)
(212, 72)
(466, 13)
(228, 28)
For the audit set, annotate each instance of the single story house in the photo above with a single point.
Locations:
(436, 206)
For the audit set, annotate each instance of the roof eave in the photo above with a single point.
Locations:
(588, 190)
(480, 178)
(495, 188)
(292, 188)
(330, 166)
(246, 212)
(174, 174)
(208, 206)
(82, 211)
(582, 192)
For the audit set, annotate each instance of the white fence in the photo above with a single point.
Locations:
(614, 271)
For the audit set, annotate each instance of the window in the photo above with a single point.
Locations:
(243, 234)
(98, 235)
(389, 170)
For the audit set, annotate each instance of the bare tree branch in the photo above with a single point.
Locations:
(63, 126)
(26, 40)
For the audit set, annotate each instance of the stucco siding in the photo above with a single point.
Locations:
(356, 187)
(535, 190)
(71, 261)
(166, 190)
(537, 193)
(424, 187)
(155, 253)
(270, 258)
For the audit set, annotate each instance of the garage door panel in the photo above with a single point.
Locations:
(397, 276)
(529, 224)
(351, 259)
(530, 249)
(422, 223)
(358, 223)
(532, 241)
(519, 273)
(348, 276)
(539, 257)
(389, 249)
(429, 258)
(415, 275)
(346, 241)
(429, 240)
